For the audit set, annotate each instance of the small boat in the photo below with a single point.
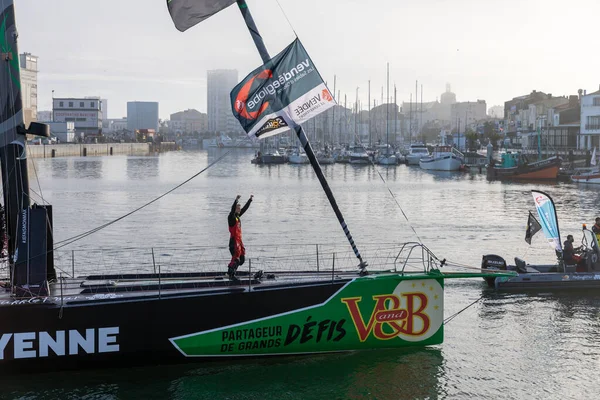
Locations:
(358, 155)
(590, 177)
(325, 158)
(569, 274)
(443, 158)
(270, 157)
(516, 166)
(386, 155)
(415, 153)
(298, 157)
(341, 156)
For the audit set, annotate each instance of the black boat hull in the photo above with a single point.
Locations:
(143, 326)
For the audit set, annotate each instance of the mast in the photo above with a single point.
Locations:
(417, 107)
(333, 122)
(31, 266)
(395, 117)
(410, 120)
(369, 104)
(421, 117)
(260, 46)
(387, 109)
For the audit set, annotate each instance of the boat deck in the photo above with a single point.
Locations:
(134, 286)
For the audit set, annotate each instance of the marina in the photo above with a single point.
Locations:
(390, 263)
(74, 184)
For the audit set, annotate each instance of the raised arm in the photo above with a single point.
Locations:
(243, 210)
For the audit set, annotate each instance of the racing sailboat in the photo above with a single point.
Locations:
(52, 322)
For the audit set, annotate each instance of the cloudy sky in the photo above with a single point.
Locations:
(126, 50)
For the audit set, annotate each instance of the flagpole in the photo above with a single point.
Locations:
(264, 54)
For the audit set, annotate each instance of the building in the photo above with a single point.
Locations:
(188, 121)
(590, 121)
(496, 112)
(44, 116)
(219, 85)
(467, 114)
(142, 115)
(104, 108)
(86, 113)
(63, 131)
(29, 70)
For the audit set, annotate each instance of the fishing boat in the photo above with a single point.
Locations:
(443, 158)
(517, 166)
(416, 152)
(147, 315)
(564, 274)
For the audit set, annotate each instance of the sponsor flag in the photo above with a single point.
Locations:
(284, 92)
(533, 227)
(187, 13)
(548, 220)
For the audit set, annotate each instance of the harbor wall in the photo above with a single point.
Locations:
(104, 149)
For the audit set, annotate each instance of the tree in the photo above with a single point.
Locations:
(471, 140)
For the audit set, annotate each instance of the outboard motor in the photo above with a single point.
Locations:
(492, 262)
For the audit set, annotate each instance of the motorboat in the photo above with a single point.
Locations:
(415, 153)
(358, 155)
(564, 274)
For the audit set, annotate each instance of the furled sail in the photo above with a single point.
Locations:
(548, 219)
(187, 13)
(286, 91)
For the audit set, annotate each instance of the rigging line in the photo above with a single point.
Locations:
(389, 190)
(450, 318)
(66, 242)
(36, 177)
(286, 17)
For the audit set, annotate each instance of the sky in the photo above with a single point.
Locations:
(126, 50)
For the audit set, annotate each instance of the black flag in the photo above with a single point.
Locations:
(187, 13)
(533, 226)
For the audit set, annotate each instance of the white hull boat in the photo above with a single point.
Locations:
(443, 158)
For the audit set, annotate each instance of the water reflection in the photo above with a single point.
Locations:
(87, 168)
(139, 168)
(379, 374)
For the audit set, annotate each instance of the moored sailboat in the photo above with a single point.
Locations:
(52, 323)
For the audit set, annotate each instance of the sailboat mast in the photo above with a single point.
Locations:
(369, 104)
(395, 117)
(333, 122)
(410, 120)
(387, 110)
(260, 46)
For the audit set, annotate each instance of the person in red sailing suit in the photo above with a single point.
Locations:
(236, 246)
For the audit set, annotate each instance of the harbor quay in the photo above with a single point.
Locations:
(97, 149)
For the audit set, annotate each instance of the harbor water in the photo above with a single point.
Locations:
(505, 346)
